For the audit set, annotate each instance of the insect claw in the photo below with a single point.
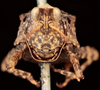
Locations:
(78, 79)
(38, 84)
(59, 85)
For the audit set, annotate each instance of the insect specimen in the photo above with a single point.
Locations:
(47, 34)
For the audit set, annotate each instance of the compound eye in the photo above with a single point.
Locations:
(35, 13)
(56, 14)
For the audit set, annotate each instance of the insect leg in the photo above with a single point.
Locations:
(76, 66)
(68, 74)
(68, 66)
(6, 59)
(90, 53)
(10, 62)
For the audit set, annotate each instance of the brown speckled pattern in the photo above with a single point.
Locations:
(49, 40)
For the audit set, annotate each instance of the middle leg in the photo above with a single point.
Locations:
(67, 67)
(68, 74)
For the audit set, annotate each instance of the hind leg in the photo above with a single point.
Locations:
(90, 53)
(10, 62)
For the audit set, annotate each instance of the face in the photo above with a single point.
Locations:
(47, 38)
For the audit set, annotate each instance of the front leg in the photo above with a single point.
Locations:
(69, 75)
(12, 59)
(76, 66)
